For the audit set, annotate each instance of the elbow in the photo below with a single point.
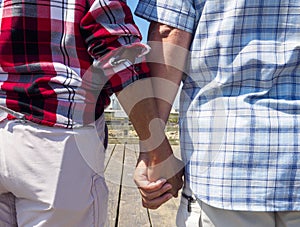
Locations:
(165, 30)
(165, 33)
(160, 31)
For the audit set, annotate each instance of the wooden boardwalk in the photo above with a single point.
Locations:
(124, 206)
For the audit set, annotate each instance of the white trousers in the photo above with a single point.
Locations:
(203, 215)
(52, 177)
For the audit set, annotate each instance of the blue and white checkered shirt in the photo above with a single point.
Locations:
(240, 103)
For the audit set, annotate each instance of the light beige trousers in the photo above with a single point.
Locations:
(203, 215)
(52, 177)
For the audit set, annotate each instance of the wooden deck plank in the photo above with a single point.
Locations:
(166, 214)
(132, 212)
(113, 179)
(108, 153)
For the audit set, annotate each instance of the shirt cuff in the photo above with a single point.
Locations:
(120, 72)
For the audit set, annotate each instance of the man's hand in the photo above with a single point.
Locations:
(158, 175)
(153, 193)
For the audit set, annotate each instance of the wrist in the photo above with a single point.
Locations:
(155, 156)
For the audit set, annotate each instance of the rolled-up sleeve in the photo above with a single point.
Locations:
(108, 29)
(178, 14)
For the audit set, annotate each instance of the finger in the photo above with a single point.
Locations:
(177, 184)
(157, 202)
(155, 194)
(175, 194)
(151, 186)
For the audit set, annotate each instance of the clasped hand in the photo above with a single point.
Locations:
(158, 175)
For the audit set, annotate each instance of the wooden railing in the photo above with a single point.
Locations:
(121, 130)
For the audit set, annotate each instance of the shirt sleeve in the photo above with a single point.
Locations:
(178, 14)
(108, 29)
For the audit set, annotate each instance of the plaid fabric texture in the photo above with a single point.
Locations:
(56, 56)
(240, 103)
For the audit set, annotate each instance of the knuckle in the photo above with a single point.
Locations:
(145, 204)
(154, 207)
(150, 205)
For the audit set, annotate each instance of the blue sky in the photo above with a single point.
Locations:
(142, 24)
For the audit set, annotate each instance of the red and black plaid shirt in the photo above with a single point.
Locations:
(59, 59)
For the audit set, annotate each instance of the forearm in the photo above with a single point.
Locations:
(156, 160)
(140, 105)
(148, 100)
(167, 61)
